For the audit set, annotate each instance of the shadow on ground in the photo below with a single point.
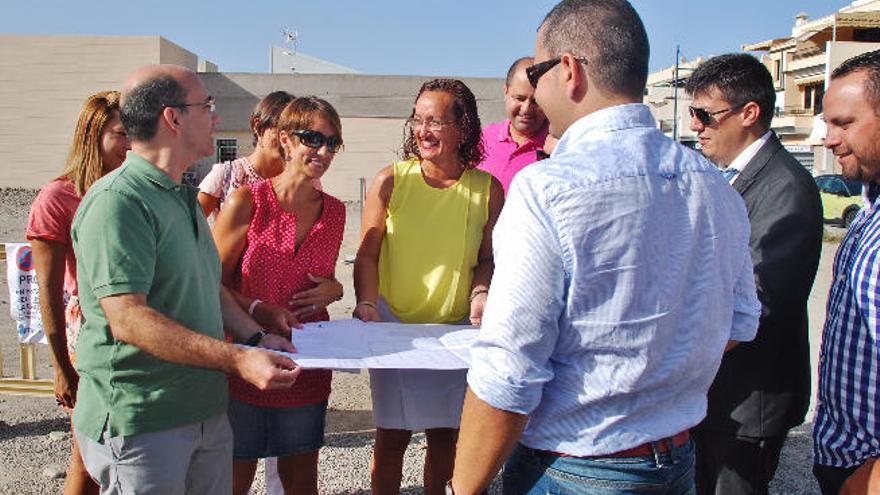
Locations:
(32, 428)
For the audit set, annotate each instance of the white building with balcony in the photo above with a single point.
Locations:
(800, 64)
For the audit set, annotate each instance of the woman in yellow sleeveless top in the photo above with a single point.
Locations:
(426, 257)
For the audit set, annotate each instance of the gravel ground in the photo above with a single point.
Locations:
(34, 433)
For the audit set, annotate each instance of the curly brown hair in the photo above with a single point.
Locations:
(464, 108)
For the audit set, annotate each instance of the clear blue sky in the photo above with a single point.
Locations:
(455, 37)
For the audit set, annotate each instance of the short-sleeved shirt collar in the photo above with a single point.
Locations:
(141, 166)
(537, 140)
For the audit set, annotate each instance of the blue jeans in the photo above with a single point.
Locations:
(534, 472)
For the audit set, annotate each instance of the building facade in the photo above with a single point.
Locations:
(800, 64)
(45, 79)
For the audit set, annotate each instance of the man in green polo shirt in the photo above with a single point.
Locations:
(150, 415)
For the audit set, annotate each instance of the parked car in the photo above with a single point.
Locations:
(841, 198)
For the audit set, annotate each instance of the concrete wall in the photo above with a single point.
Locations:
(207, 66)
(43, 82)
(373, 110)
(169, 53)
(838, 52)
(285, 61)
(353, 95)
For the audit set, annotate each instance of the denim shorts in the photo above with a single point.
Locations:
(260, 432)
(530, 471)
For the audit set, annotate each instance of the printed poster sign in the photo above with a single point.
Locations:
(24, 293)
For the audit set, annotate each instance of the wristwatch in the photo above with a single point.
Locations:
(256, 338)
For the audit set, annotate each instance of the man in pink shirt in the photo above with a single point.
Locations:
(515, 142)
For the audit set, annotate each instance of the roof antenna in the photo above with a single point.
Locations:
(291, 36)
(290, 39)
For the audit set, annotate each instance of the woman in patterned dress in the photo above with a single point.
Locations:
(278, 241)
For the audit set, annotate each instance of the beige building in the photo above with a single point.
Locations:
(800, 64)
(46, 78)
(668, 101)
(373, 110)
(43, 84)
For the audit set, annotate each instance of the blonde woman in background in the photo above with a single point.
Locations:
(99, 146)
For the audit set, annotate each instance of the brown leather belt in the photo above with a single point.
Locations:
(661, 446)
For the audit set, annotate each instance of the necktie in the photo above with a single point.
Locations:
(729, 173)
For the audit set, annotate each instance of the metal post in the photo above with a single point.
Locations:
(675, 96)
(362, 193)
(834, 29)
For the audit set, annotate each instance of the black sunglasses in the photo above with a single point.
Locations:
(708, 118)
(314, 139)
(534, 72)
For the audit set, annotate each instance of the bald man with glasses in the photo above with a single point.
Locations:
(151, 411)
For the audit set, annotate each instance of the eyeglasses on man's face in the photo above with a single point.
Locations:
(432, 125)
(708, 118)
(534, 72)
(209, 104)
(314, 139)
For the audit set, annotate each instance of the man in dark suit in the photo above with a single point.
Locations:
(763, 387)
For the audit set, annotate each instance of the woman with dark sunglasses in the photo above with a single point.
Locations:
(278, 240)
(426, 257)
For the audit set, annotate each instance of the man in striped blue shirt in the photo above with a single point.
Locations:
(846, 433)
(622, 273)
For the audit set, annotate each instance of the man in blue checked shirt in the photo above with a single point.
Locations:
(622, 274)
(846, 431)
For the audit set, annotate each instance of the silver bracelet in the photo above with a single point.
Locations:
(477, 292)
(253, 306)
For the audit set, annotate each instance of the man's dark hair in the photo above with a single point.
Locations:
(610, 34)
(515, 65)
(143, 104)
(740, 78)
(870, 63)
